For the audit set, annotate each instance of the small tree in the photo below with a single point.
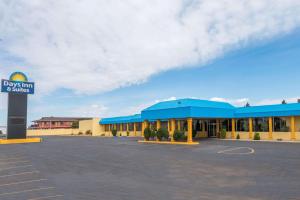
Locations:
(238, 136)
(1, 132)
(247, 104)
(75, 124)
(223, 134)
(162, 133)
(147, 133)
(114, 132)
(153, 132)
(178, 135)
(256, 136)
(283, 102)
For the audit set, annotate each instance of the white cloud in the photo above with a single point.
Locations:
(94, 46)
(235, 102)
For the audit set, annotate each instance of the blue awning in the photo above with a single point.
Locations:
(120, 120)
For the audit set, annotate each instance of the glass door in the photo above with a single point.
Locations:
(212, 129)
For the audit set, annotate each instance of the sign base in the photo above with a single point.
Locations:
(20, 141)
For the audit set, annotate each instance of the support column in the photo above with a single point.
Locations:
(250, 128)
(293, 128)
(270, 128)
(127, 127)
(178, 122)
(218, 128)
(134, 129)
(144, 126)
(172, 129)
(190, 130)
(233, 129)
(158, 124)
(203, 125)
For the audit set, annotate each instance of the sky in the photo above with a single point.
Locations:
(109, 58)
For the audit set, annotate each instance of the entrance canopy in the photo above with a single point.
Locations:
(188, 108)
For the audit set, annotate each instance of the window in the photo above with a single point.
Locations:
(242, 125)
(261, 124)
(131, 127)
(124, 127)
(164, 124)
(118, 127)
(227, 124)
(138, 126)
(198, 125)
(280, 124)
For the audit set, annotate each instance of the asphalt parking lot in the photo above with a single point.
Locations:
(86, 168)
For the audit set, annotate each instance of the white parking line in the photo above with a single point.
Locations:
(6, 159)
(48, 197)
(19, 174)
(25, 191)
(22, 182)
(13, 162)
(229, 151)
(8, 168)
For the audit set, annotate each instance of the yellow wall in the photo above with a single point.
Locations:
(243, 135)
(281, 136)
(202, 134)
(84, 126)
(47, 132)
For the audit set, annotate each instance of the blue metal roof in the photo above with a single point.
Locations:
(184, 108)
(195, 108)
(278, 110)
(120, 120)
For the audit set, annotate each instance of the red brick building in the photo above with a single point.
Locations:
(55, 122)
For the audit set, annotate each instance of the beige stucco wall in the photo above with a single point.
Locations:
(281, 136)
(297, 135)
(201, 134)
(84, 126)
(243, 135)
(121, 133)
(47, 132)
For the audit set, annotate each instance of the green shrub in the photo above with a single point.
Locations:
(147, 133)
(194, 133)
(256, 136)
(88, 132)
(127, 133)
(114, 132)
(162, 133)
(179, 135)
(80, 133)
(238, 137)
(223, 134)
(153, 133)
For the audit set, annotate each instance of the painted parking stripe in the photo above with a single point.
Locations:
(8, 168)
(7, 159)
(26, 191)
(48, 197)
(22, 182)
(19, 174)
(229, 151)
(13, 162)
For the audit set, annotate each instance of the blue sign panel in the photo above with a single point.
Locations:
(17, 87)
